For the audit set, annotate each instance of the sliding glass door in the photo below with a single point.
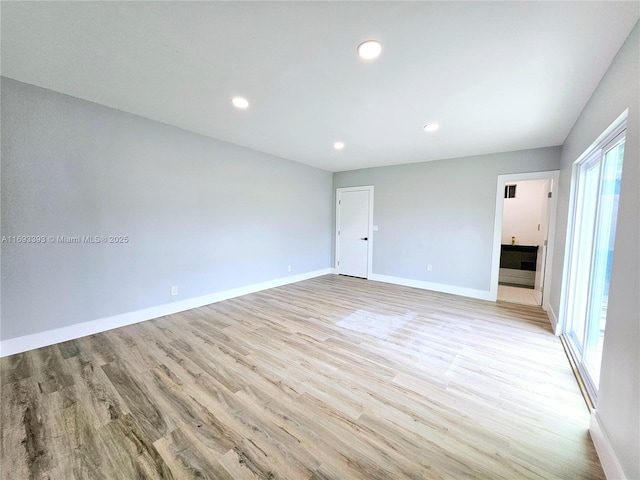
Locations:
(596, 193)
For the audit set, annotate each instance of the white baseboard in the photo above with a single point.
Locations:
(436, 287)
(608, 458)
(71, 332)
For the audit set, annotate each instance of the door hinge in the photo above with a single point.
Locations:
(338, 262)
(339, 202)
(546, 243)
(550, 194)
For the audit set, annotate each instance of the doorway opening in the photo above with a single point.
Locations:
(523, 237)
(525, 222)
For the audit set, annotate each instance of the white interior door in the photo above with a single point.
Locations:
(354, 231)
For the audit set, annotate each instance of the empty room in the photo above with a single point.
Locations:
(320, 240)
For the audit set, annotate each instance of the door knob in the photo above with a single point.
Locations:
(364, 238)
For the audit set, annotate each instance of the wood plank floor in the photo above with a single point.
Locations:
(330, 378)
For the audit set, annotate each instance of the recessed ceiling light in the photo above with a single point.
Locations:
(240, 102)
(431, 127)
(370, 49)
(338, 145)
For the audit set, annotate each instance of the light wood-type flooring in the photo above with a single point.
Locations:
(330, 378)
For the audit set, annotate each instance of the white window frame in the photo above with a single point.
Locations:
(611, 136)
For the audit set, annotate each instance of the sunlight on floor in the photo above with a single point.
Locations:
(380, 326)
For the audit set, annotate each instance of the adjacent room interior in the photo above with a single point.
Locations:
(524, 238)
(314, 240)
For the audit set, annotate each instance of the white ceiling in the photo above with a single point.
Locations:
(498, 76)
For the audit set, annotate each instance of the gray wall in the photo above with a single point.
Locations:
(441, 213)
(201, 214)
(619, 395)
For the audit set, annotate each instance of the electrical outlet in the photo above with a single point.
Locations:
(288, 268)
(429, 268)
(174, 290)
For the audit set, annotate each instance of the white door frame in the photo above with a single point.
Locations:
(497, 229)
(368, 188)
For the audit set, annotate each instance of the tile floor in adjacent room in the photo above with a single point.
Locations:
(523, 296)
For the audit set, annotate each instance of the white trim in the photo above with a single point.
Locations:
(553, 318)
(608, 458)
(436, 287)
(615, 129)
(71, 332)
(612, 131)
(551, 232)
(370, 236)
(568, 252)
(340, 190)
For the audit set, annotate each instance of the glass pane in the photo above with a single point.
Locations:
(588, 196)
(602, 257)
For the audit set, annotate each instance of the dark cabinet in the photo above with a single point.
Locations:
(519, 257)
(518, 265)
